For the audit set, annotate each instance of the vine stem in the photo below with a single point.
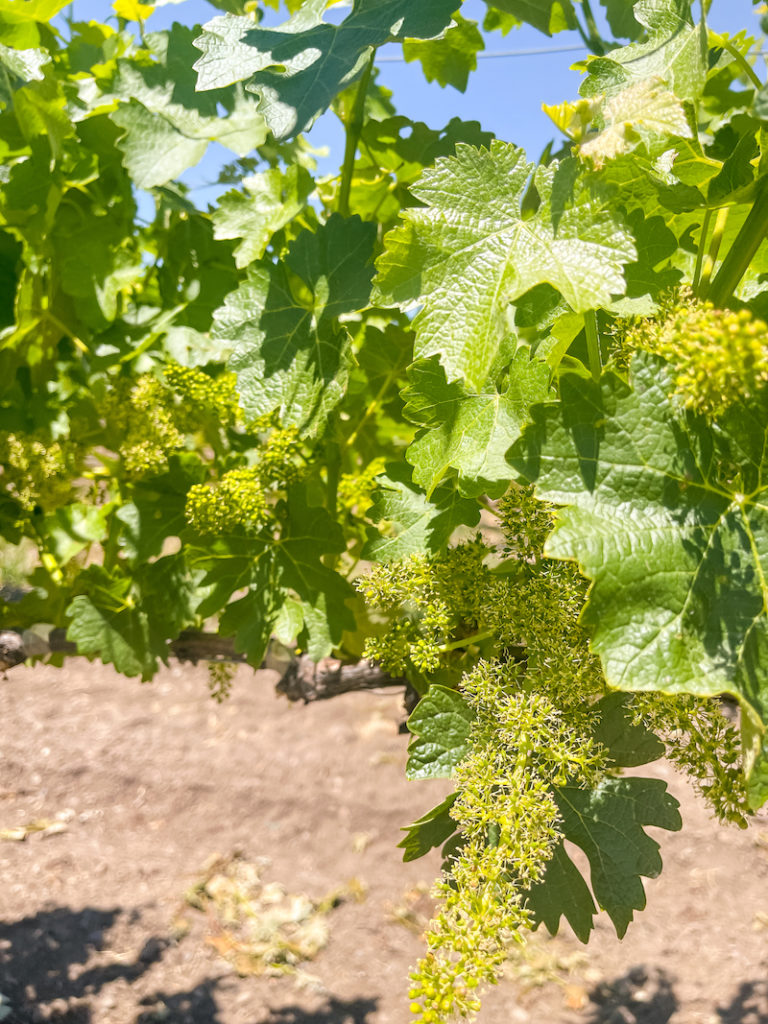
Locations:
(353, 130)
(593, 37)
(701, 250)
(711, 257)
(744, 64)
(484, 634)
(742, 251)
(593, 344)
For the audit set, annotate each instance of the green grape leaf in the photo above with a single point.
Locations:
(675, 51)
(104, 625)
(548, 16)
(31, 10)
(440, 724)
(308, 534)
(430, 830)
(157, 509)
(643, 112)
(467, 431)
(675, 545)
(298, 68)
(166, 124)
(562, 893)
(128, 622)
(408, 522)
(229, 564)
(469, 251)
(269, 201)
(449, 58)
(629, 743)
(290, 353)
(25, 64)
(289, 621)
(73, 528)
(249, 620)
(621, 19)
(607, 824)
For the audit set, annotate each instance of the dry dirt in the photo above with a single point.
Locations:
(140, 785)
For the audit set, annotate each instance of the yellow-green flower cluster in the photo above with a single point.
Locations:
(37, 471)
(203, 395)
(237, 502)
(434, 603)
(719, 356)
(143, 411)
(277, 458)
(702, 742)
(356, 489)
(508, 819)
(526, 522)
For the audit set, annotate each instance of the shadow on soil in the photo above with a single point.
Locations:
(748, 1006)
(641, 996)
(43, 977)
(40, 957)
(647, 996)
(335, 1011)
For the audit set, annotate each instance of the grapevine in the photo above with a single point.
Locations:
(496, 426)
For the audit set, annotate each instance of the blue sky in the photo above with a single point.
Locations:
(505, 94)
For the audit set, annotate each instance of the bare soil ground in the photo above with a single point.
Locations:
(136, 787)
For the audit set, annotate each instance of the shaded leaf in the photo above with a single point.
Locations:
(415, 524)
(290, 352)
(440, 725)
(469, 432)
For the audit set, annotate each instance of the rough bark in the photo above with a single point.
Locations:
(300, 678)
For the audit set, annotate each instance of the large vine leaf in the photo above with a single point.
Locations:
(677, 551)
(470, 250)
(128, 622)
(298, 68)
(290, 352)
(607, 824)
(675, 50)
(468, 431)
(167, 125)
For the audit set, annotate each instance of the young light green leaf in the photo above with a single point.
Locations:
(676, 549)
(25, 64)
(644, 111)
(269, 201)
(469, 251)
(469, 432)
(440, 725)
(416, 524)
(548, 16)
(675, 51)
(449, 58)
(290, 353)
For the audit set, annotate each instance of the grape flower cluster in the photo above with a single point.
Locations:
(719, 357)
